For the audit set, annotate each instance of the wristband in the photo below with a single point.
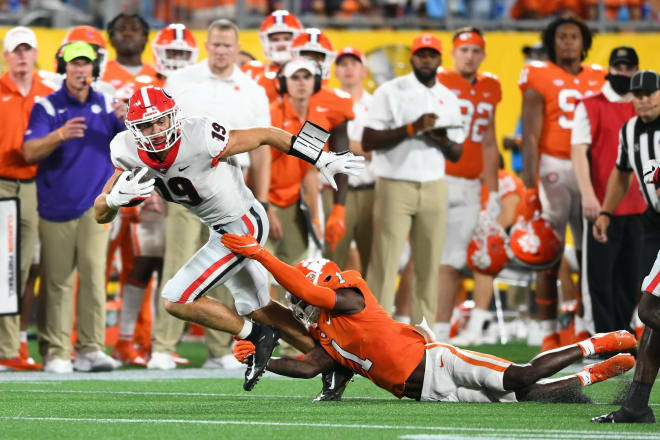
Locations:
(606, 214)
(410, 129)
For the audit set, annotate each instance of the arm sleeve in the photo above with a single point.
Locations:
(40, 123)
(581, 133)
(295, 282)
(622, 162)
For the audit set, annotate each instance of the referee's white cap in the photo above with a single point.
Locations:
(645, 80)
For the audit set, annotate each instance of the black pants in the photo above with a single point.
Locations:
(613, 272)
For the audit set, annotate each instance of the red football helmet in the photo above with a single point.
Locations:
(313, 40)
(147, 105)
(90, 35)
(488, 250)
(279, 21)
(174, 48)
(535, 244)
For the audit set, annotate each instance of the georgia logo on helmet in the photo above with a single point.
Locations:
(147, 105)
(534, 243)
(313, 40)
(90, 35)
(174, 48)
(280, 21)
(488, 251)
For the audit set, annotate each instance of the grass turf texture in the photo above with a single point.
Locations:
(283, 408)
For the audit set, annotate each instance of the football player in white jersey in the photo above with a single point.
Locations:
(189, 161)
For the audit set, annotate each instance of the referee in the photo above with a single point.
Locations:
(638, 143)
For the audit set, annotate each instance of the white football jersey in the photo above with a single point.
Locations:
(192, 174)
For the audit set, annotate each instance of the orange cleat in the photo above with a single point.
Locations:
(619, 340)
(550, 342)
(127, 354)
(180, 360)
(606, 369)
(18, 364)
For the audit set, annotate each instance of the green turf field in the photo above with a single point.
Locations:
(197, 404)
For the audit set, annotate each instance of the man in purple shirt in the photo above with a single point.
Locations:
(69, 134)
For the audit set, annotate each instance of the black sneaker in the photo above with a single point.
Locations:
(264, 344)
(626, 415)
(334, 383)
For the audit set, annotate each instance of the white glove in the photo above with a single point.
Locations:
(128, 189)
(651, 171)
(334, 163)
(493, 206)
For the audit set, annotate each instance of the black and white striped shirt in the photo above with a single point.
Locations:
(639, 142)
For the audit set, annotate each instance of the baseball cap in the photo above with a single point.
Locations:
(624, 55)
(20, 35)
(350, 51)
(78, 49)
(646, 80)
(300, 63)
(424, 41)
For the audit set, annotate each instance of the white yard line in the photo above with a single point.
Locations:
(501, 432)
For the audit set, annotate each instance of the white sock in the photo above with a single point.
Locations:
(548, 326)
(477, 319)
(587, 347)
(131, 300)
(23, 336)
(441, 330)
(585, 378)
(402, 318)
(246, 330)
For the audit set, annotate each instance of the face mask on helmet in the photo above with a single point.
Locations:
(279, 22)
(147, 108)
(314, 44)
(304, 313)
(174, 48)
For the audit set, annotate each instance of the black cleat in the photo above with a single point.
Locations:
(626, 415)
(265, 342)
(334, 383)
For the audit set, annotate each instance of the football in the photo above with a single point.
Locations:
(144, 178)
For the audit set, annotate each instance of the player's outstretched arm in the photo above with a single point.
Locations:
(316, 361)
(290, 278)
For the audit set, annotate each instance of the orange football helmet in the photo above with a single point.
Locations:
(90, 35)
(174, 48)
(313, 40)
(321, 271)
(279, 21)
(535, 244)
(488, 250)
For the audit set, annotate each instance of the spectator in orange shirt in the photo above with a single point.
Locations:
(612, 8)
(535, 9)
(299, 80)
(19, 87)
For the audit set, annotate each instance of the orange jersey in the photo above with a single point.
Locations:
(507, 184)
(15, 110)
(126, 84)
(264, 75)
(370, 342)
(336, 105)
(286, 171)
(561, 92)
(477, 102)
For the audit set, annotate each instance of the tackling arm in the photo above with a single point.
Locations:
(315, 362)
(532, 123)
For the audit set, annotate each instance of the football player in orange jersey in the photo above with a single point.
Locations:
(550, 93)
(337, 106)
(478, 96)
(354, 331)
(128, 35)
(277, 32)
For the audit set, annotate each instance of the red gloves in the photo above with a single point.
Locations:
(242, 350)
(335, 228)
(531, 203)
(245, 245)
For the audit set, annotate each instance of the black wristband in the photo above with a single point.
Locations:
(605, 213)
(266, 205)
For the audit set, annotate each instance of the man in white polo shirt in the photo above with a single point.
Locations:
(413, 124)
(214, 87)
